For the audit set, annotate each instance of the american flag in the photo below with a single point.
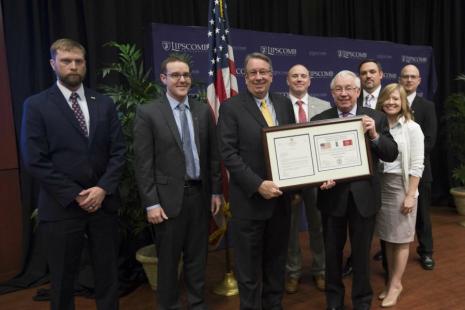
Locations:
(222, 81)
(222, 85)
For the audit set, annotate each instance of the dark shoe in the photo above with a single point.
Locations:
(292, 285)
(427, 262)
(378, 256)
(347, 270)
(319, 282)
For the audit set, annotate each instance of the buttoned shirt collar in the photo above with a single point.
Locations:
(67, 93)
(411, 97)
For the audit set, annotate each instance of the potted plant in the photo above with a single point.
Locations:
(134, 88)
(455, 118)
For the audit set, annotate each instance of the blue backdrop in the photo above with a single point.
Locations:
(323, 56)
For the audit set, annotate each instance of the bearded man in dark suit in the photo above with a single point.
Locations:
(71, 142)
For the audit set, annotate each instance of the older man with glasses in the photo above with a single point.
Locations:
(352, 206)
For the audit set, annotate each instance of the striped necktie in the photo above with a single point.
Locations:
(78, 113)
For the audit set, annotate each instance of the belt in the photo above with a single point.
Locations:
(192, 183)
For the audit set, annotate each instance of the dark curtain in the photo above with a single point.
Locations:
(31, 26)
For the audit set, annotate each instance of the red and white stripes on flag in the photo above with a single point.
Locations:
(222, 84)
(222, 81)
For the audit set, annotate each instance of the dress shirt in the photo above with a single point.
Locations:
(410, 98)
(351, 113)
(295, 106)
(81, 100)
(375, 95)
(410, 142)
(177, 117)
(270, 107)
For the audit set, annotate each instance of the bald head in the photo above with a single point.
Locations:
(410, 78)
(298, 80)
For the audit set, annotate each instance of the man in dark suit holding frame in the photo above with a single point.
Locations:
(260, 211)
(71, 142)
(353, 205)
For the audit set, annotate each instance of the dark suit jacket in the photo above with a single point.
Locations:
(63, 160)
(366, 192)
(240, 138)
(159, 159)
(424, 114)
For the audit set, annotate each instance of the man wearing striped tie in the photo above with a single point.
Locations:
(72, 144)
(371, 74)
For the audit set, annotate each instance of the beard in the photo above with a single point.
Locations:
(71, 80)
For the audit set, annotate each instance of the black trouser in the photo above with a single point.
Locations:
(260, 250)
(186, 235)
(423, 225)
(360, 234)
(65, 240)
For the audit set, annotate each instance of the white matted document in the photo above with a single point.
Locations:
(308, 154)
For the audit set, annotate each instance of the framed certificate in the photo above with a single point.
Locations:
(308, 154)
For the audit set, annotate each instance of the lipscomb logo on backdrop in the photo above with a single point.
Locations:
(414, 59)
(278, 51)
(321, 74)
(184, 47)
(351, 54)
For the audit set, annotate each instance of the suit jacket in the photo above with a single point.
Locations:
(160, 166)
(240, 138)
(316, 106)
(360, 99)
(424, 114)
(366, 192)
(63, 160)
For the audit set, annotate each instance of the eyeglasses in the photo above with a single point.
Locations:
(348, 89)
(407, 77)
(177, 76)
(254, 73)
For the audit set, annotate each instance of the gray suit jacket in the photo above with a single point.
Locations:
(316, 106)
(159, 159)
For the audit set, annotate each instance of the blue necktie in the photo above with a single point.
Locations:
(186, 143)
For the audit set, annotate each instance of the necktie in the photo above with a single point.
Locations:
(345, 114)
(266, 113)
(302, 114)
(186, 143)
(369, 101)
(78, 113)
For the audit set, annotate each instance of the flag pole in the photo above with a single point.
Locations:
(228, 286)
(222, 85)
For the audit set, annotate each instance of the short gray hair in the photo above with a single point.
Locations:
(344, 73)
